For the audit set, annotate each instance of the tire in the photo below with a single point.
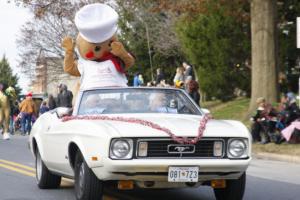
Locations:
(45, 179)
(234, 189)
(87, 185)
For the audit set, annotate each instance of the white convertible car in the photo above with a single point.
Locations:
(139, 138)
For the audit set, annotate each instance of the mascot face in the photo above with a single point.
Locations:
(94, 51)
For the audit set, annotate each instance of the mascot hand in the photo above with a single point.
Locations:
(117, 48)
(68, 44)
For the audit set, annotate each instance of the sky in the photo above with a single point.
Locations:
(11, 20)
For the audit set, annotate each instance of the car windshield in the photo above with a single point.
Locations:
(136, 100)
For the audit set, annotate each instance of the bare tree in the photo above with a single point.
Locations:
(160, 25)
(53, 20)
(44, 35)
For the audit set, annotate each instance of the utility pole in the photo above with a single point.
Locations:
(149, 51)
(298, 46)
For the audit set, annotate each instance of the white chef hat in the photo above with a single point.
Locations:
(96, 22)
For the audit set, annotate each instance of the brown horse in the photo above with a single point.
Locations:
(5, 109)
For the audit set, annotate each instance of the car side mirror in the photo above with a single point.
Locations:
(63, 111)
(205, 111)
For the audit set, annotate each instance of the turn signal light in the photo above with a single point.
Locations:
(143, 149)
(218, 148)
(125, 185)
(94, 158)
(218, 183)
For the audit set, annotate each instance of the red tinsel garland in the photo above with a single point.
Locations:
(180, 140)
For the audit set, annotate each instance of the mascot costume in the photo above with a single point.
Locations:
(5, 100)
(103, 59)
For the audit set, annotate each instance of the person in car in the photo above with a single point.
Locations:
(158, 103)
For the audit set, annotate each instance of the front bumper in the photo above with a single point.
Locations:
(157, 169)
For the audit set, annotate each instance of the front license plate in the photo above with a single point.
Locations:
(183, 174)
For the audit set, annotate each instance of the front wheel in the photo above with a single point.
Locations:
(45, 179)
(87, 185)
(234, 189)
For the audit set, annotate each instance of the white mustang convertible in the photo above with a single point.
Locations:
(139, 138)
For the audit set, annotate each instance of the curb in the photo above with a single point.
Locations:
(277, 157)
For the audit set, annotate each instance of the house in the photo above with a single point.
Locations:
(49, 74)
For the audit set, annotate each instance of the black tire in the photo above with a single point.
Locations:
(87, 185)
(45, 179)
(234, 189)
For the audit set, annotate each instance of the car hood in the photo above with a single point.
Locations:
(180, 125)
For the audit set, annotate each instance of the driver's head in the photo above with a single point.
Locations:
(173, 103)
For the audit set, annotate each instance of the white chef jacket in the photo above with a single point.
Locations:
(100, 74)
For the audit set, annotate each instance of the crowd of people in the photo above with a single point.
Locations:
(24, 112)
(269, 122)
(184, 78)
(267, 126)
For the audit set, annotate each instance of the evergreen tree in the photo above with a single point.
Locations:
(289, 59)
(217, 43)
(7, 78)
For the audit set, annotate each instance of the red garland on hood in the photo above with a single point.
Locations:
(180, 140)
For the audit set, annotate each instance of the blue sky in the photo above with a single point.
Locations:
(11, 20)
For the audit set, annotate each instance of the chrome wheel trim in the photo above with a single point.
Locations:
(81, 180)
(38, 166)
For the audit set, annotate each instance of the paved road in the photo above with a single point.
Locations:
(266, 180)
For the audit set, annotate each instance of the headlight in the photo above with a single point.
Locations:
(238, 148)
(121, 149)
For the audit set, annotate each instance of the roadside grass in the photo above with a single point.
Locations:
(237, 110)
(284, 148)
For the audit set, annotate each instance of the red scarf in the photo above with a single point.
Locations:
(119, 65)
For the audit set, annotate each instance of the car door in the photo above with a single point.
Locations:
(56, 140)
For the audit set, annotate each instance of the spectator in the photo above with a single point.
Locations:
(51, 102)
(150, 84)
(44, 108)
(163, 83)
(291, 110)
(264, 122)
(188, 71)
(136, 80)
(179, 76)
(14, 111)
(141, 79)
(65, 97)
(159, 76)
(193, 91)
(186, 82)
(27, 110)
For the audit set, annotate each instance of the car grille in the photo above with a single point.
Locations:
(159, 149)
